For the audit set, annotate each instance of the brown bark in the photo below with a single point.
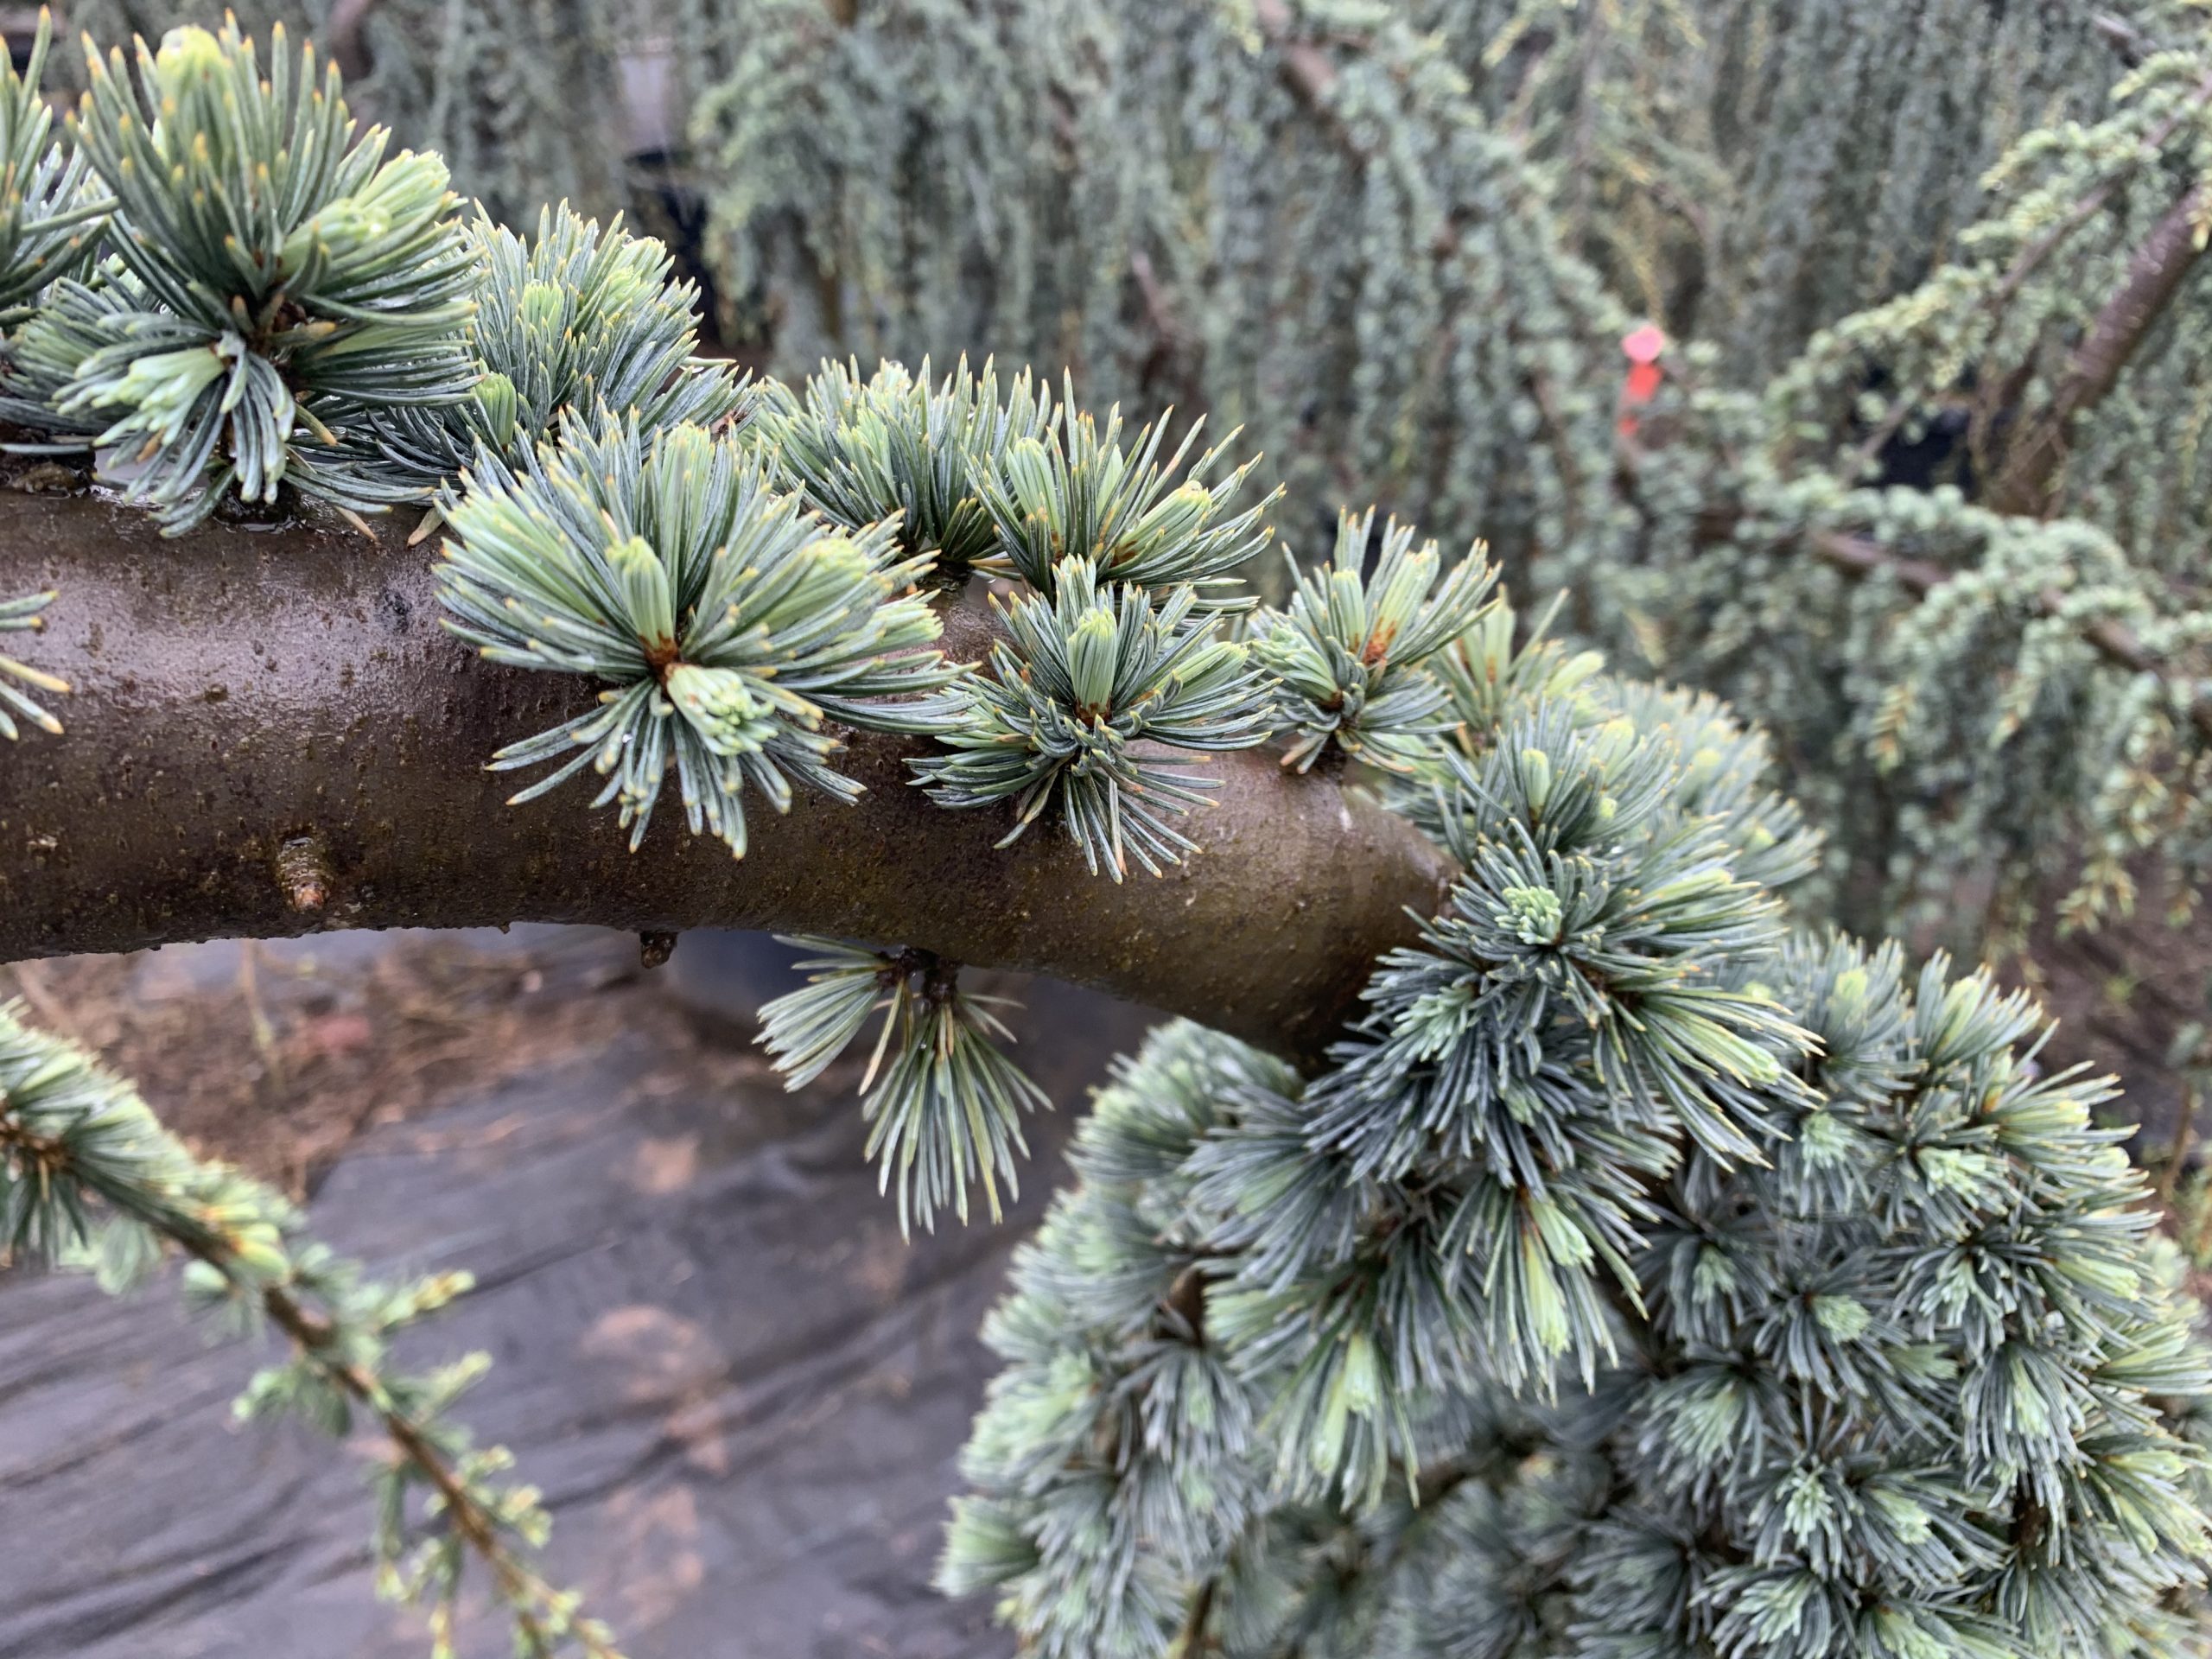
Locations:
(269, 733)
(342, 36)
(1305, 67)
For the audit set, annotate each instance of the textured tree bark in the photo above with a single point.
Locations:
(269, 733)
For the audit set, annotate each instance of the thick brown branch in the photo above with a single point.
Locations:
(241, 696)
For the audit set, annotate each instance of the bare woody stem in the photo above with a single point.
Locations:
(249, 704)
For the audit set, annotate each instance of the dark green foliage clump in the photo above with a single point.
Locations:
(1076, 493)
(265, 302)
(947, 1108)
(49, 214)
(1341, 650)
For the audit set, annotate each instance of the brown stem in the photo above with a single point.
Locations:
(341, 35)
(520, 1587)
(1190, 1640)
(2155, 274)
(313, 1334)
(1187, 1301)
(2131, 43)
(1305, 67)
(240, 690)
(2178, 1153)
(2030, 257)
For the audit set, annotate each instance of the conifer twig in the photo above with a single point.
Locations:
(86, 1170)
(521, 1588)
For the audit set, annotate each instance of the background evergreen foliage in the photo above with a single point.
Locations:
(1651, 1271)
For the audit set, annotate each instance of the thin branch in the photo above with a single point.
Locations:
(2155, 274)
(186, 1204)
(2112, 639)
(2132, 44)
(520, 1586)
(1861, 558)
(2030, 258)
(1192, 1639)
